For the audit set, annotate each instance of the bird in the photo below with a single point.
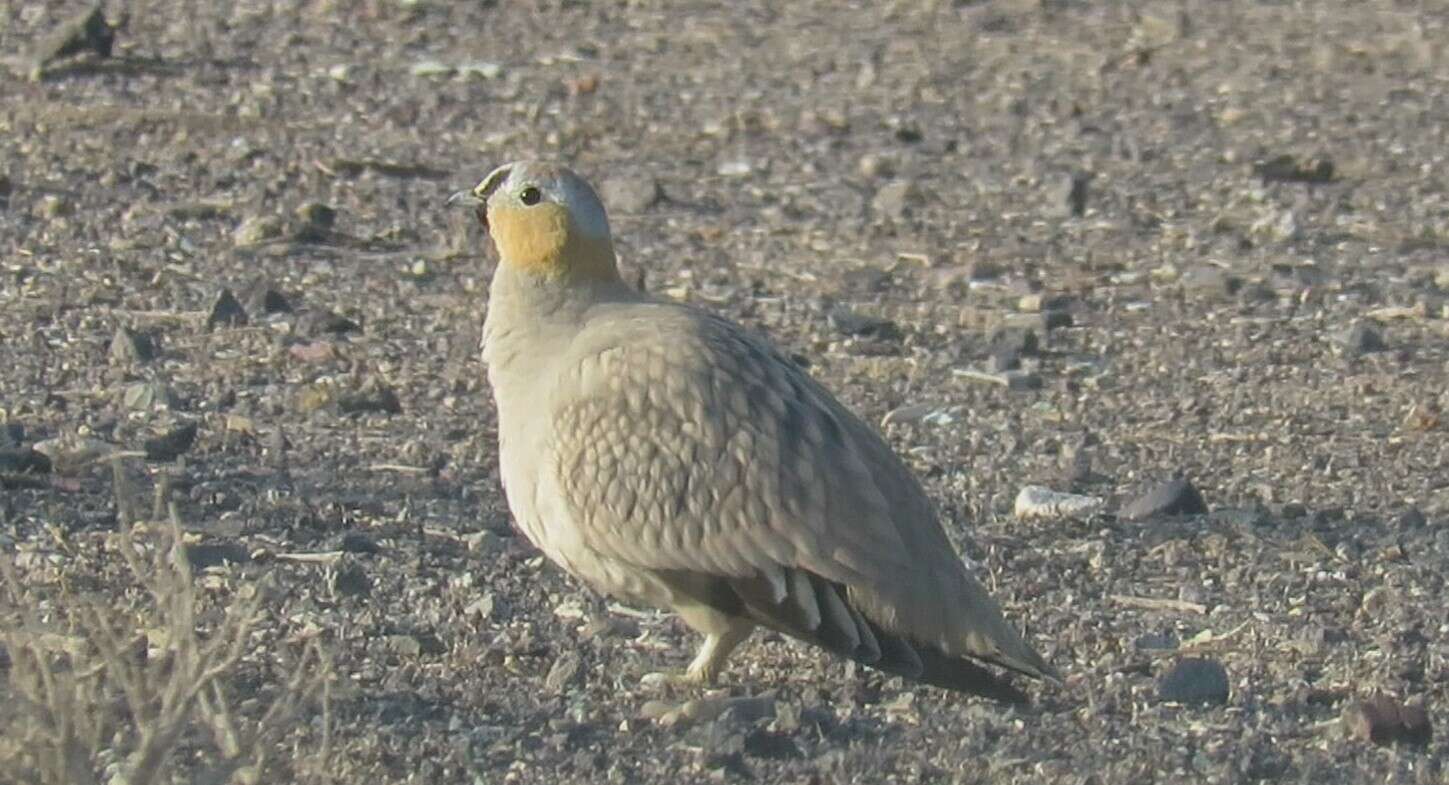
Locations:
(669, 457)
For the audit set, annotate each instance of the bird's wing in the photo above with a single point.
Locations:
(683, 444)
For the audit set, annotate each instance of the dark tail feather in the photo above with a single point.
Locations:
(871, 646)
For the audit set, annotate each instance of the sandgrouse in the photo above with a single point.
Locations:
(668, 457)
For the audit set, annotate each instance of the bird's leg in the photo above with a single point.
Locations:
(722, 634)
(715, 651)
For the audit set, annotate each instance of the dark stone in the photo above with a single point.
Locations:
(351, 581)
(1194, 681)
(1019, 341)
(23, 460)
(1381, 719)
(1290, 169)
(215, 554)
(1362, 339)
(356, 542)
(383, 400)
(129, 347)
(849, 322)
(1174, 497)
(226, 311)
(171, 444)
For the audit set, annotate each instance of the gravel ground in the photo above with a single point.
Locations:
(1211, 239)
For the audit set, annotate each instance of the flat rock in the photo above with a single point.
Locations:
(1194, 681)
(1174, 497)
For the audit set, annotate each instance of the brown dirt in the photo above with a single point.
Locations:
(1211, 288)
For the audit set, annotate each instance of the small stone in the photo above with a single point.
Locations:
(1361, 339)
(316, 322)
(1383, 720)
(896, 199)
(1043, 322)
(1174, 497)
(483, 541)
(23, 460)
(1194, 681)
(316, 220)
(1210, 281)
(52, 207)
(382, 400)
(214, 554)
(609, 627)
(481, 607)
(1001, 361)
(1156, 641)
(874, 167)
(87, 31)
(357, 542)
(264, 298)
(851, 323)
(563, 671)
(350, 580)
(631, 194)
(406, 646)
(148, 395)
(910, 413)
(1288, 168)
(1019, 341)
(1411, 518)
(129, 347)
(172, 444)
(1066, 194)
(739, 168)
(1021, 381)
(1038, 502)
(226, 311)
(1375, 601)
(257, 230)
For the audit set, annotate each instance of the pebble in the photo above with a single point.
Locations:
(382, 400)
(1383, 720)
(896, 199)
(214, 554)
(1361, 339)
(1174, 497)
(1194, 681)
(226, 311)
(631, 194)
(173, 443)
(873, 167)
(1042, 322)
(849, 322)
(1156, 641)
(350, 580)
(23, 460)
(1020, 341)
(1066, 194)
(563, 671)
(257, 230)
(357, 542)
(129, 347)
(481, 607)
(1412, 518)
(1210, 281)
(1038, 502)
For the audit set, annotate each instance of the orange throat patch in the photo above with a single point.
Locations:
(544, 241)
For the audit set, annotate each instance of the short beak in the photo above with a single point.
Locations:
(470, 198)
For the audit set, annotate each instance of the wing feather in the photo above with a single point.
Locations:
(683, 443)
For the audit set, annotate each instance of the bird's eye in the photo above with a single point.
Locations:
(529, 196)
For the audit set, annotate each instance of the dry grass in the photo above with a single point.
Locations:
(136, 684)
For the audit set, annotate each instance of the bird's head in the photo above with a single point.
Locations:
(545, 220)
